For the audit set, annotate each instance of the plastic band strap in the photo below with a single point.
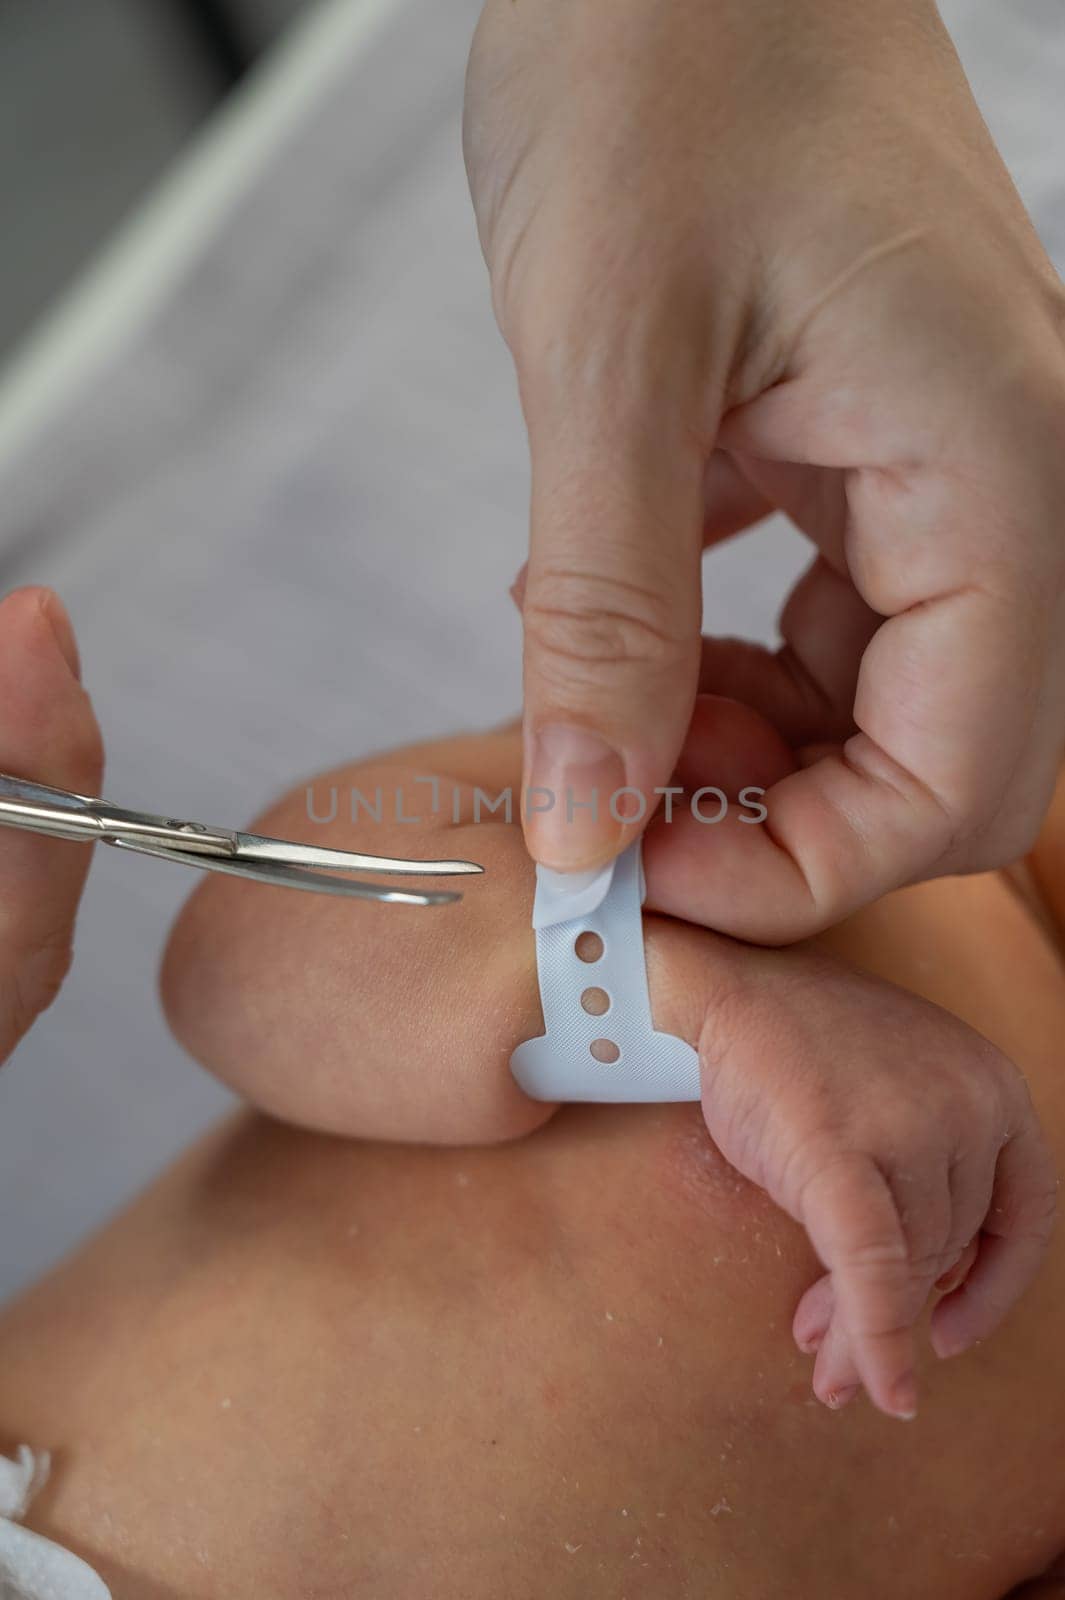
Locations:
(600, 1044)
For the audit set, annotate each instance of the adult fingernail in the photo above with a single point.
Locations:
(904, 1398)
(55, 614)
(573, 777)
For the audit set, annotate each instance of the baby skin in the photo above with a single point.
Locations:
(902, 1140)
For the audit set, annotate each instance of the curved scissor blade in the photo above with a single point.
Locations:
(283, 876)
(256, 847)
(315, 868)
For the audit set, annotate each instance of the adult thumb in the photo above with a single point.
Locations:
(612, 612)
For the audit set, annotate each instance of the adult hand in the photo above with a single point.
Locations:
(750, 255)
(47, 732)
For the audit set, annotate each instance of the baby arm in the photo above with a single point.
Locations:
(368, 1020)
(902, 1141)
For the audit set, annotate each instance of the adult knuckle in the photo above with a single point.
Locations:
(597, 623)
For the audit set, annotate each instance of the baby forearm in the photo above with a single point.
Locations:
(391, 1022)
(370, 1020)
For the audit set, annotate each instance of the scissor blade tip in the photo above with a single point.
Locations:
(439, 897)
(448, 869)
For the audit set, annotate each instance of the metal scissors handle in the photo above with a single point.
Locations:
(64, 815)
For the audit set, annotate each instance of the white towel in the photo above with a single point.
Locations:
(32, 1567)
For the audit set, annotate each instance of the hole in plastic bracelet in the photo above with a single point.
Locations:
(589, 950)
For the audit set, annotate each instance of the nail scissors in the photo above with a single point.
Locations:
(64, 815)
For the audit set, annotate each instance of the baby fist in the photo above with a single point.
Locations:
(901, 1140)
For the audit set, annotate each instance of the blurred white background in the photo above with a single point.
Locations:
(271, 456)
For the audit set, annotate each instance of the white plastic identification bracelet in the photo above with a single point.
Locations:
(600, 1042)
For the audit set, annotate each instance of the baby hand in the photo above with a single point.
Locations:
(903, 1142)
